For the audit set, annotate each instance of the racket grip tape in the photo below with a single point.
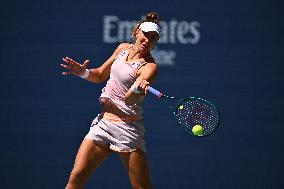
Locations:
(154, 91)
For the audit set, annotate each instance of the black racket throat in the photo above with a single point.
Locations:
(172, 102)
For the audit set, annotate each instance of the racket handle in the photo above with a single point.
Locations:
(154, 91)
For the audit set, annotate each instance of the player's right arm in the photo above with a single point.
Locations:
(96, 75)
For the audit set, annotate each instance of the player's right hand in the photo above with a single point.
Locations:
(73, 67)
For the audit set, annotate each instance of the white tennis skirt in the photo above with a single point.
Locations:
(119, 136)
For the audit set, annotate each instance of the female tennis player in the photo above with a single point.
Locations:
(119, 127)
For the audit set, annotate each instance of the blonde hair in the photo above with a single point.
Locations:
(150, 17)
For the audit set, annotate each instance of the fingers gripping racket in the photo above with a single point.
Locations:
(197, 116)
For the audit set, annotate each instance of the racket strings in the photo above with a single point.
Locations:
(191, 112)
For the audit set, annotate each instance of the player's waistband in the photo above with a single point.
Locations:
(118, 118)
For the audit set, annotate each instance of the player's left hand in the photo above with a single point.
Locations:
(141, 86)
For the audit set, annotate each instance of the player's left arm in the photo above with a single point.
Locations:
(146, 76)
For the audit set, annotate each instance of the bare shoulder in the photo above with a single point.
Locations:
(151, 66)
(121, 47)
(149, 72)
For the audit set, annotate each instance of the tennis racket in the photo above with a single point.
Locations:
(197, 116)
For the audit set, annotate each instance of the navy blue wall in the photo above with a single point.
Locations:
(230, 52)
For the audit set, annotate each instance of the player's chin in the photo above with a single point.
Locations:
(144, 48)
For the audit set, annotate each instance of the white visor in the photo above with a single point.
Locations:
(150, 26)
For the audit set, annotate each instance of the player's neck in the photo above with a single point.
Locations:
(135, 53)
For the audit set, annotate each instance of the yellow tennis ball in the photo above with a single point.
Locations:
(197, 130)
(180, 107)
